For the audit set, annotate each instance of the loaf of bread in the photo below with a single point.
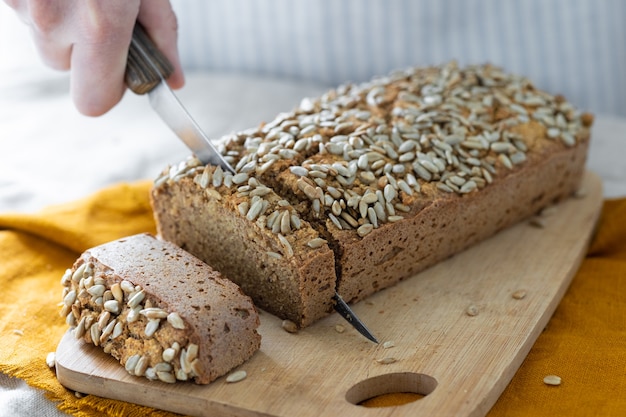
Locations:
(163, 313)
(372, 183)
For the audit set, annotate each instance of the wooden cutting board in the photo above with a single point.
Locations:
(460, 362)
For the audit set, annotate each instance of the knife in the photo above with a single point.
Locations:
(146, 71)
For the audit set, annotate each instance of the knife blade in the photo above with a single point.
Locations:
(146, 71)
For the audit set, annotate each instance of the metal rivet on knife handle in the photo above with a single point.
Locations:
(141, 76)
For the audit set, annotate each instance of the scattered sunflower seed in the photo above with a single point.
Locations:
(236, 376)
(519, 294)
(472, 310)
(537, 222)
(388, 344)
(51, 359)
(387, 360)
(289, 326)
(552, 380)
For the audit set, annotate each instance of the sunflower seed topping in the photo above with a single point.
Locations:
(316, 243)
(286, 245)
(112, 306)
(153, 313)
(386, 140)
(117, 330)
(299, 171)
(151, 327)
(101, 322)
(166, 377)
(176, 321)
(96, 290)
(78, 274)
(127, 287)
(168, 354)
(365, 229)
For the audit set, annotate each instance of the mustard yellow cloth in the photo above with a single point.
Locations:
(584, 342)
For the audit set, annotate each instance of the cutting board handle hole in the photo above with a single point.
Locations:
(391, 389)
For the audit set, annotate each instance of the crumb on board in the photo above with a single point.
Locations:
(519, 294)
(472, 310)
(387, 360)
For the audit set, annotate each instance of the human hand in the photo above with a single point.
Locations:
(91, 39)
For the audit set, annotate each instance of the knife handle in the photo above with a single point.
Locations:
(146, 65)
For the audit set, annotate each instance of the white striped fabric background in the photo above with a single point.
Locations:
(573, 47)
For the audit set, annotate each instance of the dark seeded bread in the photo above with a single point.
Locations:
(391, 176)
(291, 280)
(213, 313)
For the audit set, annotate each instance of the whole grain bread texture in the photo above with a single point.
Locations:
(162, 312)
(372, 183)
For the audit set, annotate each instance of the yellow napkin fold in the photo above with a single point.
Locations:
(585, 340)
(584, 343)
(35, 251)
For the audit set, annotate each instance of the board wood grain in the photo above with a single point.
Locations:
(460, 362)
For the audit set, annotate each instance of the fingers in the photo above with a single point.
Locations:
(20, 8)
(159, 20)
(99, 52)
(50, 35)
(45, 20)
(98, 64)
(91, 38)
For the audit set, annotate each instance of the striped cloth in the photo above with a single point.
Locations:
(572, 47)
